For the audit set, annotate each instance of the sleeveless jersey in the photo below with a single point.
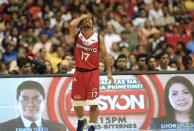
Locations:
(86, 51)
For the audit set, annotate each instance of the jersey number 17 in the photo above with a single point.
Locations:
(85, 56)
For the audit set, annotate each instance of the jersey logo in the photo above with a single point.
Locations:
(86, 48)
(87, 43)
(77, 97)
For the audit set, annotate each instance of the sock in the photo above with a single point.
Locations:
(91, 124)
(80, 119)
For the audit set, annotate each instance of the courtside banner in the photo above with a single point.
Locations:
(131, 103)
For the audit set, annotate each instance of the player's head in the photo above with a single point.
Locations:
(30, 98)
(87, 23)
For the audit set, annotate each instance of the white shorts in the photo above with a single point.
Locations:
(85, 103)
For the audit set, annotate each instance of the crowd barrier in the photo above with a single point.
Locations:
(130, 104)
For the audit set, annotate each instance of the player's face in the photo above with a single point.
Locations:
(31, 104)
(87, 23)
(180, 98)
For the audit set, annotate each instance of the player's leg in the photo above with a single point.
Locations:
(93, 116)
(78, 99)
(92, 94)
(79, 110)
(93, 113)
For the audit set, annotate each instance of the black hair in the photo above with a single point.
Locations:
(22, 61)
(139, 56)
(173, 61)
(121, 56)
(148, 59)
(29, 84)
(159, 56)
(182, 43)
(38, 66)
(169, 46)
(186, 59)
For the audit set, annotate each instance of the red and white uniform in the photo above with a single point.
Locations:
(85, 85)
(86, 51)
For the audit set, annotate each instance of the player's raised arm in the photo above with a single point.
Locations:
(106, 59)
(73, 30)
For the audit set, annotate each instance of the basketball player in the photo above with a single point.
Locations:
(85, 86)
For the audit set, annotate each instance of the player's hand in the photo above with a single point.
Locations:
(84, 16)
(110, 78)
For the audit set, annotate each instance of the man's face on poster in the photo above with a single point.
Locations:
(180, 98)
(31, 104)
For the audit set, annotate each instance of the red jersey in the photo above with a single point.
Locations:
(86, 51)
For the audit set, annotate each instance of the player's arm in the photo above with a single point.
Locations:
(106, 59)
(73, 30)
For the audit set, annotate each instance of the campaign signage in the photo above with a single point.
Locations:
(130, 103)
